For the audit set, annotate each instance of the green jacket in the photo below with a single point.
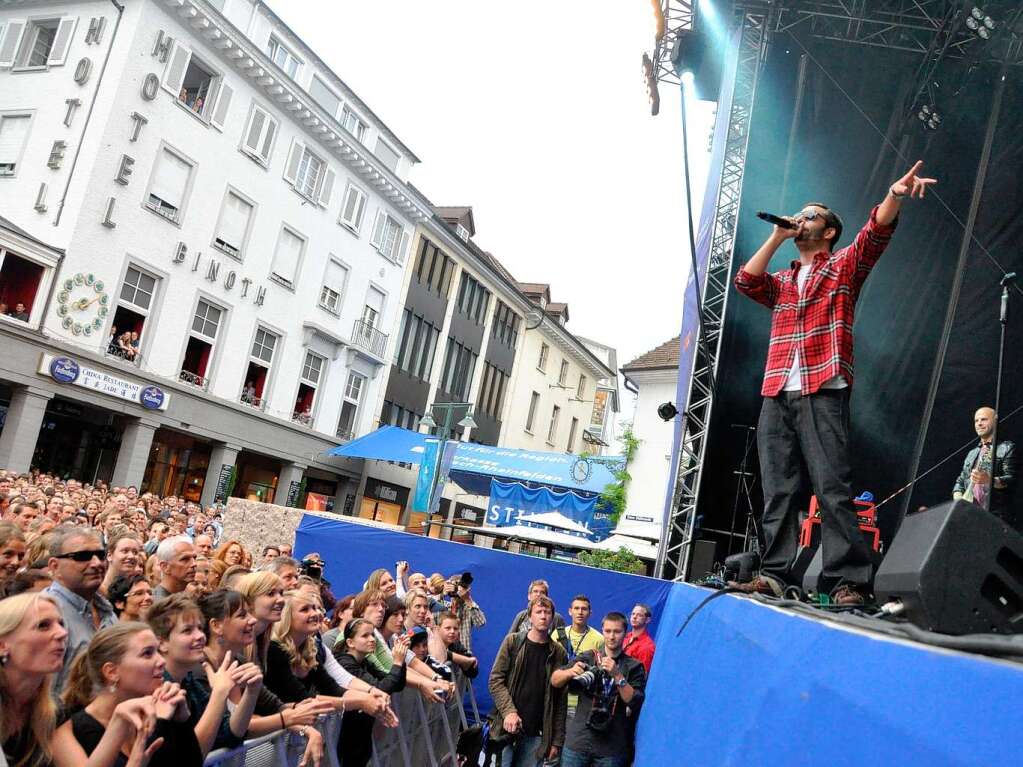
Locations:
(506, 680)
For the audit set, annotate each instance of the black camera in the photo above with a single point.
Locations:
(311, 567)
(465, 580)
(601, 712)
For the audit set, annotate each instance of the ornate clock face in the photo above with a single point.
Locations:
(82, 304)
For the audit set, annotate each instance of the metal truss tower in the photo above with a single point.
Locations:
(675, 546)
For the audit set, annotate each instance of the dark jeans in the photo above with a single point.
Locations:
(570, 758)
(798, 434)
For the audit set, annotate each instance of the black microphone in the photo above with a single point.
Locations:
(776, 220)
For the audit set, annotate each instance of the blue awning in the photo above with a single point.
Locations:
(474, 465)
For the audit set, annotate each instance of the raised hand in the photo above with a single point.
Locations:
(222, 679)
(399, 649)
(247, 675)
(911, 184)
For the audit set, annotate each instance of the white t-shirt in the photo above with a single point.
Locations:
(795, 380)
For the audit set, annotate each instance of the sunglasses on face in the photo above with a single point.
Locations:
(808, 215)
(84, 556)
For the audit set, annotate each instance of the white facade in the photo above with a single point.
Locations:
(259, 260)
(649, 467)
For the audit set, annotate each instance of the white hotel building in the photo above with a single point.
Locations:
(190, 173)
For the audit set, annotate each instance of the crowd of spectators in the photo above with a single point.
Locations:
(133, 633)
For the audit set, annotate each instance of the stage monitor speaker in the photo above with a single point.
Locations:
(704, 556)
(957, 569)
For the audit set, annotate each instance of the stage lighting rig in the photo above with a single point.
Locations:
(667, 411)
(650, 76)
(980, 23)
(929, 116)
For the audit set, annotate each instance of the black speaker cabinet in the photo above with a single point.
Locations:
(957, 570)
(704, 556)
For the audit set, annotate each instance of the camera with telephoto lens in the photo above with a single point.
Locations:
(592, 680)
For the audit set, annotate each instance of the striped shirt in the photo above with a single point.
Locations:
(818, 323)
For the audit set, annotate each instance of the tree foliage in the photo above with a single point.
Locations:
(622, 561)
(614, 493)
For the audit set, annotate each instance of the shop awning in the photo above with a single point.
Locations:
(641, 548)
(474, 465)
(554, 520)
(537, 535)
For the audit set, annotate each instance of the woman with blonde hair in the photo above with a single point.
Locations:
(217, 569)
(230, 553)
(264, 591)
(122, 663)
(381, 580)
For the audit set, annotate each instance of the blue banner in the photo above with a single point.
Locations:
(424, 481)
(447, 456)
(511, 500)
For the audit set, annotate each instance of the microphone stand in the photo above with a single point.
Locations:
(1003, 320)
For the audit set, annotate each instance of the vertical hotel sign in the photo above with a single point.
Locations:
(66, 370)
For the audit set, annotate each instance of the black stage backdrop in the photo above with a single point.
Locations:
(839, 159)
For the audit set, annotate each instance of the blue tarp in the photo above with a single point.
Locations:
(511, 500)
(474, 465)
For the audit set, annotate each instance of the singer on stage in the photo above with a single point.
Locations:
(804, 421)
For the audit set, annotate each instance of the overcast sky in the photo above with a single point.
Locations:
(535, 113)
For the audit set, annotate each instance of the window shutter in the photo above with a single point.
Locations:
(268, 139)
(402, 247)
(294, 158)
(11, 41)
(378, 230)
(326, 185)
(170, 179)
(62, 41)
(13, 131)
(219, 114)
(252, 141)
(287, 256)
(177, 64)
(234, 220)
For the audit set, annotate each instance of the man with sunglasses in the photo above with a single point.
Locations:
(804, 420)
(78, 564)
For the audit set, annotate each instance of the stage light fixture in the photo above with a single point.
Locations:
(667, 411)
(650, 77)
(980, 23)
(929, 116)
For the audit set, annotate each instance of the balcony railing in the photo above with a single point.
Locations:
(369, 338)
(253, 401)
(303, 418)
(194, 379)
(131, 357)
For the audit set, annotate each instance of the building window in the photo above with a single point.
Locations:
(396, 415)
(459, 366)
(131, 314)
(333, 290)
(580, 390)
(387, 155)
(13, 134)
(353, 208)
(196, 85)
(348, 422)
(169, 186)
(259, 135)
(417, 345)
(309, 174)
(353, 124)
(19, 284)
(433, 270)
(492, 389)
(202, 339)
(534, 403)
(324, 96)
(389, 238)
(287, 257)
(281, 56)
(571, 435)
(473, 299)
(563, 373)
(257, 375)
(36, 44)
(552, 430)
(505, 325)
(233, 224)
(308, 383)
(541, 364)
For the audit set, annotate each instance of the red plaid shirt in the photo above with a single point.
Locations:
(819, 324)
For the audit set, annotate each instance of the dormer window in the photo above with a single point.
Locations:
(462, 232)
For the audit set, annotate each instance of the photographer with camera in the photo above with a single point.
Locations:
(458, 597)
(610, 685)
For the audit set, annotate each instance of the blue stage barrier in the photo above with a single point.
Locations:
(746, 684)
(501, 580)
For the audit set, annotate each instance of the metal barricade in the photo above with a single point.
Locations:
(427, 736)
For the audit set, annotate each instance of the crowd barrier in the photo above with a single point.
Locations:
(427, 736)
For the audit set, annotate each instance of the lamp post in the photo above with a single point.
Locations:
(444, 433)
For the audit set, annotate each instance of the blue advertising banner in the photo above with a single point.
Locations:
(511, 500)
(447, 456)
(424, 481)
